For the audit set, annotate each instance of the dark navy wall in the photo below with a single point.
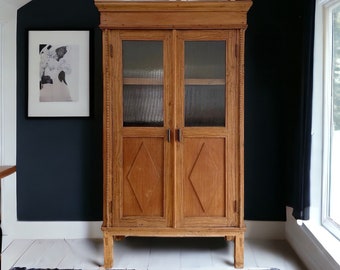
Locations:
(59, 161)
(272, 89)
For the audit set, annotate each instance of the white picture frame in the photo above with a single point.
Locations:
(58, 73)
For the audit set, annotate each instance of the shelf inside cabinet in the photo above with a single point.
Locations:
(204, 81)
(159, 81)
(143, 81)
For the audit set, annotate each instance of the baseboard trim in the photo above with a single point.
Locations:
(79, 230)
(307, 247)
(52, 230)
(274, 230)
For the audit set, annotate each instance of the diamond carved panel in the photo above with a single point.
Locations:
(144, 178)
(204, 177)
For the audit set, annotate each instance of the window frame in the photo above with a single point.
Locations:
(327, 104)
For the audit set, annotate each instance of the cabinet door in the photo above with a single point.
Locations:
(141, 98)
(207, 115)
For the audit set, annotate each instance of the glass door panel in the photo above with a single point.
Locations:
(143, 83)
(205, 85)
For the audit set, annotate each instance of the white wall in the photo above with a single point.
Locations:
(7, 83)
(8, 107)
(8, 110)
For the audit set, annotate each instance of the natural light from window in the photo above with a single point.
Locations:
(331, 210)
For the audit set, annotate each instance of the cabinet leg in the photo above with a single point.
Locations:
(239, 251)
(108, 250)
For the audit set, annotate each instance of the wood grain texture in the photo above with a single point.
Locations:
(7, 170)
(143, 189)
(173, 15)
(239, 251)
(108, 249)
(173, 180)
(204, 192)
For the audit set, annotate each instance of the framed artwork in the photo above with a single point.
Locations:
(58, 73)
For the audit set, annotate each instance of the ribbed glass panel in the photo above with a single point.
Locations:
(205, 73)
(143, 83)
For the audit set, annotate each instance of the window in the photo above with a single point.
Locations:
(331, 122)
(315, 239)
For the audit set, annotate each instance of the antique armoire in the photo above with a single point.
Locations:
(173, 120)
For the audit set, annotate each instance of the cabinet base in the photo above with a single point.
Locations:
(110, 234)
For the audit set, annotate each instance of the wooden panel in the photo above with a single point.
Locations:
(207, 161)
(193, 231)
(6, 170)
(171, 20)
(240, 134)
(204, 177)
(173, 14)
(162, 5)
(142, 168)
(107, 131)
(115, 97)
(233, 113)
(143, 182)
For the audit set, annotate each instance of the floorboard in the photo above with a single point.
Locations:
(149, 254)
(13, 253)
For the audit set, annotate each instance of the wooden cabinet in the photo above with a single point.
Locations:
(173, 120)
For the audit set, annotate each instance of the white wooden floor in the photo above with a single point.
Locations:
(149, 254)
